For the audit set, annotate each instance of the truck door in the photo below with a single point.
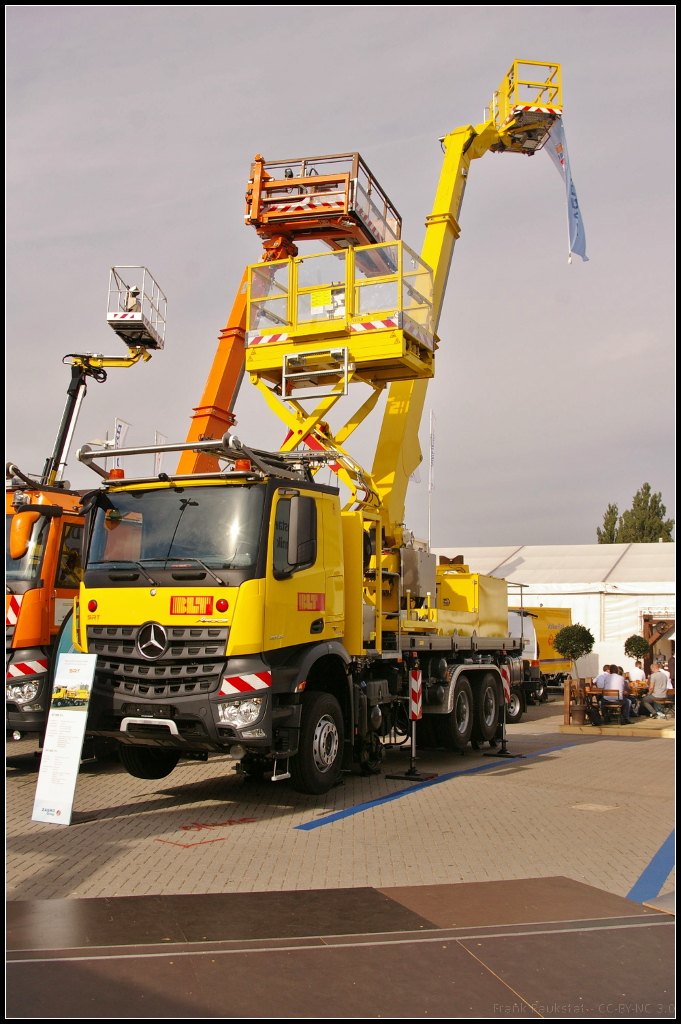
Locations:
(68, 571)
(295, 603)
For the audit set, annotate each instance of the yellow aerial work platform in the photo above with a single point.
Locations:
(371, 306)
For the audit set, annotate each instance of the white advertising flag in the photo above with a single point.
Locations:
(120, 431)
(158, 456)
(557, 150)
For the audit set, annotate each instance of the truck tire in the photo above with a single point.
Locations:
(540, 694)
(514, 708)
(455, 729)
(148, 762)
(485, 708)
(317, 766)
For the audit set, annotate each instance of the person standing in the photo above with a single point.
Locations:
(657, 691)
(671, 665)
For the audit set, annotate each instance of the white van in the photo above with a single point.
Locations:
(532, 688)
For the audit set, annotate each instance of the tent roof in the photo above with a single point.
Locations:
(572, 563)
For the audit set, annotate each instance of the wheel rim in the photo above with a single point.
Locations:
(462, 713)
(514, 704)
(325, 743)
(489, 707)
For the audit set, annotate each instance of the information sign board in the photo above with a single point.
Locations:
(63, 744)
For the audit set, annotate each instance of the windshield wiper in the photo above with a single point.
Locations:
(188, 558)
(126, 561)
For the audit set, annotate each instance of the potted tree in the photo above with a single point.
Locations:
(636, 647)
(572, 643)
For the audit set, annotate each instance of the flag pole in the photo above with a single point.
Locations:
(430, 478)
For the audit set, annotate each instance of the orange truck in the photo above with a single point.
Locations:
(41, 582)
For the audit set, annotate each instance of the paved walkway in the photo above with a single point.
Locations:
(593, 810)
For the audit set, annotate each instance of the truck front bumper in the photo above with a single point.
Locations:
(191, 723)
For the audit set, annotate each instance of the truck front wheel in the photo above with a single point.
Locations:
(454, 730)
(317, 765)
(148, 762)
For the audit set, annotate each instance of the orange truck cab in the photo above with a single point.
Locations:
(43, 573)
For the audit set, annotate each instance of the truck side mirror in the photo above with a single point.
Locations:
(20, 533)
(302, 531)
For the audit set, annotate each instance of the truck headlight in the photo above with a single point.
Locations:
(240, 713)
(22, 692)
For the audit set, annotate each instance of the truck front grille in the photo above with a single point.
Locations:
(192, 663)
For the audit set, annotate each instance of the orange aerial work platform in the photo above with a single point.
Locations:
(334, 198)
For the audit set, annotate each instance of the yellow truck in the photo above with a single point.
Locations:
(548, 622)
(241, 606)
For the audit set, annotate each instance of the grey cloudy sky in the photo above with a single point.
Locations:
(131, 131)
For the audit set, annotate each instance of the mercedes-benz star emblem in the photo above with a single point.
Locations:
(152, 640)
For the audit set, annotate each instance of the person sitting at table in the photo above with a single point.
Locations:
(657, 690)
(616, 682)
(602, 680)
(637, 675)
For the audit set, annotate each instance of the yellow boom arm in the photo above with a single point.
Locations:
(513, 126)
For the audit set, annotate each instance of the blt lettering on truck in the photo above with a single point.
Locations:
(192, 604)
(311, 602)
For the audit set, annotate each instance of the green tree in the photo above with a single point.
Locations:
(608, 535)
(573, 642)
(636, 647)
(643, 523)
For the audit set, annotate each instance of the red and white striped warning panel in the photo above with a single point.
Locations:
(308, 205)
(537, 110)
(264, 339)
(124, 316)
(506, 679)
(13, 606)
(416, 331)
(415, 695)
(27, 668)
(246, 684)
(375, 325)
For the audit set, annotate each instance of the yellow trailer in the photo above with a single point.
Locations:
(547, 623)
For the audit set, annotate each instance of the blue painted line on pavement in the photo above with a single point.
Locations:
(653, 877)
(358, 808)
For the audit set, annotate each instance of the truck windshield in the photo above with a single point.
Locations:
(218, 525)
(27, 568)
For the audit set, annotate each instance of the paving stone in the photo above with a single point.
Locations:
(515, 819)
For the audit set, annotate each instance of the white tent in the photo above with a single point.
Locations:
(608, 587)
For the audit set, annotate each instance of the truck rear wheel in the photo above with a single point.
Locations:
(486, 708)
(454, 730)
(540, 694)
(317, 765)
(148, 762)
(514, 708)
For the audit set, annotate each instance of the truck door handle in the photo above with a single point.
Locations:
(317, 626)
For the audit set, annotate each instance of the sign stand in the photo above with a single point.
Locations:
(63, 743)
(415, 713)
